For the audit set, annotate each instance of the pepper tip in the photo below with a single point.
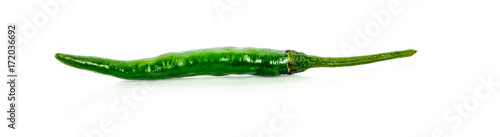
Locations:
(60, 56)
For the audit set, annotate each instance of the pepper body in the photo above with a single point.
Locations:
(213, 61)
(218, 62)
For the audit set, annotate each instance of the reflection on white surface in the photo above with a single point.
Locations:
(172, 86)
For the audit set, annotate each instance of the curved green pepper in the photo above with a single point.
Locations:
(218, 62)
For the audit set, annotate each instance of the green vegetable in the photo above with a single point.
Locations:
(218, 62)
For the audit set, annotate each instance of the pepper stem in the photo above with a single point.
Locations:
(358, 60)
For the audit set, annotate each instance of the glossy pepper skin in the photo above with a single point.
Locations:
(218, 62)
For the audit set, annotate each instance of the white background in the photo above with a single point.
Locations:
(457, 43)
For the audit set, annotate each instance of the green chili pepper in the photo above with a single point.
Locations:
(218, 62)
